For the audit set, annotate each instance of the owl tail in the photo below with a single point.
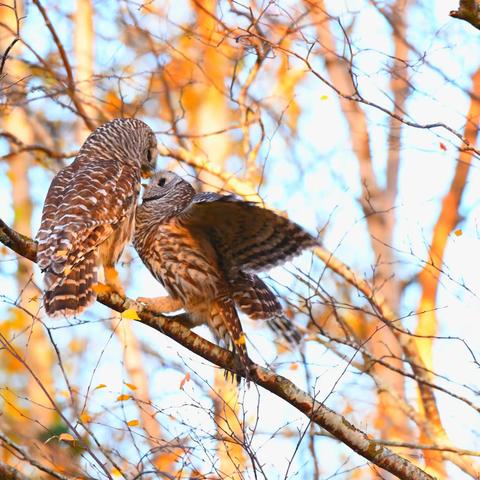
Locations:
(256, 300)
(69, 295)
(227, 328)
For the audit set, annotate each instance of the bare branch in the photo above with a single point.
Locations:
(334, 423)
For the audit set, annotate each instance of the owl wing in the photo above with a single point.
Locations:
(84, 204)
(245, 235)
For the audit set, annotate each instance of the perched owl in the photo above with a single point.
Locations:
(205, 247)
(89, 213)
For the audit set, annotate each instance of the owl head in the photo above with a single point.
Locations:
(126, 139)
(149, 157)
(167, 193)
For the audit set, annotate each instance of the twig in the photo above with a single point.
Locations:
(334, 423)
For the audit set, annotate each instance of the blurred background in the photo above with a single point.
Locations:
(357, 119)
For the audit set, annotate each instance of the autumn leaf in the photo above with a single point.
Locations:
(116, 472)
(99, 386)
(77, 345)
(85, 417)
(130, 314)
(443, 147)
(185, 379)
(66, 437)
(458, 232)
(123, 397)
(131, 386)
(294, 366)
(64, 393)
(324, 97)
(241, 340)
(133, 423)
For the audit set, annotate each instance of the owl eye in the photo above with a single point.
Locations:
(161, 182)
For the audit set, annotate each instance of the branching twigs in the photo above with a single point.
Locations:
(245, 189)
(334, 423)
(68, 69)
(24, 456)
(14, 40)
(22, 147)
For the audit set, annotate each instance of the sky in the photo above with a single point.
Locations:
(327, 189)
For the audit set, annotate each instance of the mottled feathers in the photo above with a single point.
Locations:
(88, 214)
(205, 249)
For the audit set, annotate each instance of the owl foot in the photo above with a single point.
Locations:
(161, 304)
(113, 282)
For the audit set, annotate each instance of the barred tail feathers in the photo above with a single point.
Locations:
(227, 328)
(254, 298)
(71, 294)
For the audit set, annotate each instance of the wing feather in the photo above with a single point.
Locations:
(84, 205)
(246, 236)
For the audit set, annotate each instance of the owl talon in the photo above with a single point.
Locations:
(113, 282)
(161, 304)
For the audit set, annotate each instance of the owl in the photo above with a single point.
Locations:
(89, 214)
(205, 248)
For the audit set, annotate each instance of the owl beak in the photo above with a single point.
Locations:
(147, 171)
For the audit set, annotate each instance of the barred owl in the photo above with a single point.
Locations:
(205, 247)
(89, 213)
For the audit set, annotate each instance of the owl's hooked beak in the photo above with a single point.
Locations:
(147, 171)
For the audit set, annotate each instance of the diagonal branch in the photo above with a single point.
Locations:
(335, 424)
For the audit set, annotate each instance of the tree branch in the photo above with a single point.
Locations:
(335, 424)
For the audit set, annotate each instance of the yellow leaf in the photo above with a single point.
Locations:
(130, 314)
(77, 345)
(123, 397)
(100, 385)
(131, 386)
(99, 288)
(241, 340)
(133, 423)
(85, 417)
(65, 393)
(458, 232)
(66, 437)
(116, 472)
(294, 366)
(184, 380)
(324, 97)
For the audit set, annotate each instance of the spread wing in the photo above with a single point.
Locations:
(245, 235)
(85, 203)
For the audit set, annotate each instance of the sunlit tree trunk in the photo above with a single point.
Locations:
(84, 44)
(377, 206)
(38, 350)
(427, 327)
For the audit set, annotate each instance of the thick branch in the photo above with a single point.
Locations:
(332, 422)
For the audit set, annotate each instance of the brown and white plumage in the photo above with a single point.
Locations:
(204, 248)
(89, 212)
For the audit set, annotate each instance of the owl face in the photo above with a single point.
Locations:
(167, 193)
(149, 159)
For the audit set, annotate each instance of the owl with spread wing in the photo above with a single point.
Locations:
(205, 249)
(89, 214)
